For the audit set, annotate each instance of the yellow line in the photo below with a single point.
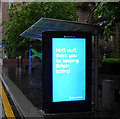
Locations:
(8, 110)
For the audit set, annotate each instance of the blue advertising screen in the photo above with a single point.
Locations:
(68, 69)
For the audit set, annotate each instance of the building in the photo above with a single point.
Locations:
(84, 12)
(0, 32)
(4, 17)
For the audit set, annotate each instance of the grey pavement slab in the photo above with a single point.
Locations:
(27, 109)
(0, 107)
(2, 112)
(23, 105)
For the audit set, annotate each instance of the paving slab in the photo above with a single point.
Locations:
(23, 105)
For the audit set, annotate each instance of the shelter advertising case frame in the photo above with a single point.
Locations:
(66, 71)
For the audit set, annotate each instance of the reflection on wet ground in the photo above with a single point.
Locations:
(29, 84)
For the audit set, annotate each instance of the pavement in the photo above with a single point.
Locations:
(0, 107)
(2, 112)
(22, 104)
(25, 91)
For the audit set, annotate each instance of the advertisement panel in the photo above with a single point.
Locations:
(66, 71)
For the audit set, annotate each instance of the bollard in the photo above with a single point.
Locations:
(108, 95)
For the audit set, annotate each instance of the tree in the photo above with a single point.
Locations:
(20, 20)
(111, 12)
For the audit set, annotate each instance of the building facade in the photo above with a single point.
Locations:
(0, 32)
(5, 17)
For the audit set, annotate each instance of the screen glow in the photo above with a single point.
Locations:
(68, 69)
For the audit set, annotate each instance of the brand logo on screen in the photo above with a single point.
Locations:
(69, 36)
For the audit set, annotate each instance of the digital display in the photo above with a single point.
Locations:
(68, 69)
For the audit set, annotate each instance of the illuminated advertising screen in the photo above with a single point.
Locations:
(68, 69)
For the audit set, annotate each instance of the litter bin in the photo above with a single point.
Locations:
(108, 95)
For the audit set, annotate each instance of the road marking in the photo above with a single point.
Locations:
(8, 110)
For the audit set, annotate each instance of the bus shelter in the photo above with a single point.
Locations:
(47, 24)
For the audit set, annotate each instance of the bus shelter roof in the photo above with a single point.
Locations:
(48, 24)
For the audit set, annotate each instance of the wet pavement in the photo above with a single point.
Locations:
(29, 84)
(1, 109)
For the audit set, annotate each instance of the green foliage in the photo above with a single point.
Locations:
(22, 19)
(110, 11)
(111, 60)
(36, 54)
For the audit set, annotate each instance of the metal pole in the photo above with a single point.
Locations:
(41, 63)
(96, 72)
(29, 61)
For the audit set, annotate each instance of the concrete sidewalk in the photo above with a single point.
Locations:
(2, 112)
(0, 107)
(13, 76)
(23, 105)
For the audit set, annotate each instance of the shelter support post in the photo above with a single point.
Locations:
(96, 71)
(29, 61)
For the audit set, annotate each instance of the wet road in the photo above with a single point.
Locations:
(29, 84)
